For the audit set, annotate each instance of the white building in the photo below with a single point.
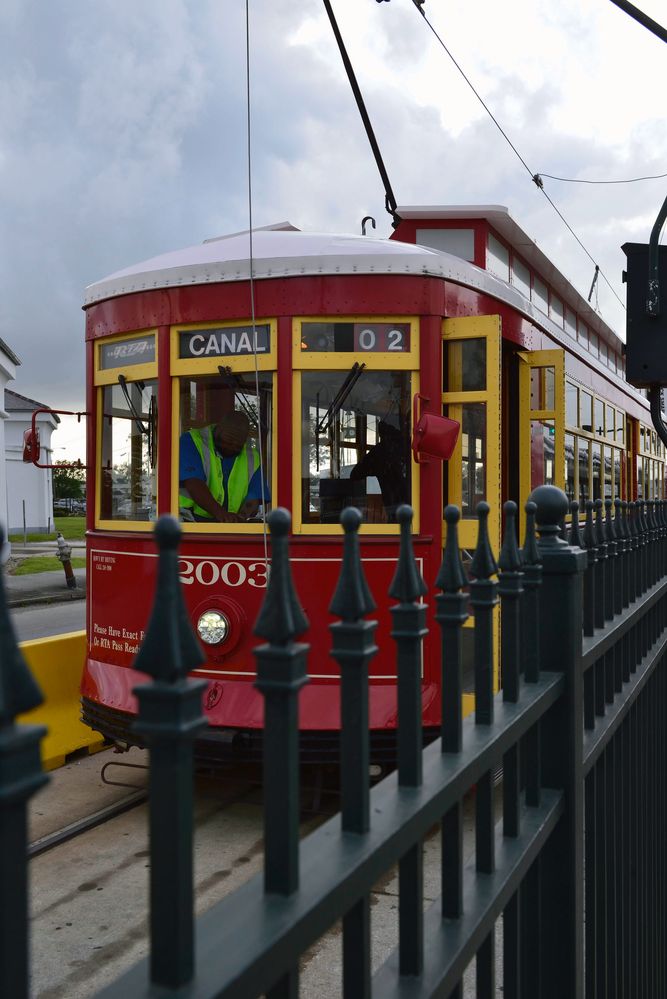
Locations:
(27, 490)
(8, 364)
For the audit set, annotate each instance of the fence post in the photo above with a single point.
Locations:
(483, 599)
(511, 592)
(20, 776)
(352, 648)
(562, 920)
(169, 717)
(451, 615)
(622, 532)
(590, 576)
(408, 630)
(600, 567)
(281, 672)
(532, 571)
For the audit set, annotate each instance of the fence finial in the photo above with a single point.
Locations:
(618, 518)
(575, 534)
(600, 533)
(483, 564)
(451, 578)
(590, 540)
(281, 617)
(352, 598)
(552, 506)
(530, 553)
(509, 559)
(170, 649)
(407, 585)
(609, 523)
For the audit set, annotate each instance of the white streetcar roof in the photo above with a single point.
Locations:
(276, 253)
(499, 218)
(281, 251)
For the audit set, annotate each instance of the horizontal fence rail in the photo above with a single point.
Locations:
(568, 872)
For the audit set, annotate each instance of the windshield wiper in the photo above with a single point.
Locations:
(136, 416)
(353, 376)
(237, 385)
(147, 430)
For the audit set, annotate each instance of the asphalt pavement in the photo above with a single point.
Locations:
(38, 588)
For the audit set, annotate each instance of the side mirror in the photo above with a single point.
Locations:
(31, 448)
(433, 436)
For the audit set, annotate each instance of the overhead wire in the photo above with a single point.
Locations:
(252, 289)
(580, 180)
(535, 177)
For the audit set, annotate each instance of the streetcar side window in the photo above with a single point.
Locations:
(128, 481)
(355, 443)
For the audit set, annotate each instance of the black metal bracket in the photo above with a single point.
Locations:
(653, 296)
(655, 400)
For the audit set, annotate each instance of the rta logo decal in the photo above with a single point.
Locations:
(213, 695)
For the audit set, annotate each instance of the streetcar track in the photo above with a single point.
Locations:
(70, 831)
(74, 829)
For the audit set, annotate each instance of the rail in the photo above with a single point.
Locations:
(576, 865)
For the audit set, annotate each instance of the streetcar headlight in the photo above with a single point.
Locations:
(212, 627)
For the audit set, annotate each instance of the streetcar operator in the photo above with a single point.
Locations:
(387, 461)
(220, 478)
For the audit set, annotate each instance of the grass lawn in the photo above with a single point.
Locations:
(45, 563)
(71, 528)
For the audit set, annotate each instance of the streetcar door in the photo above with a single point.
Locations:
(472, 395)
(541, 422)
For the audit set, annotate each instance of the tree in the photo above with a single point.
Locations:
(68, 482)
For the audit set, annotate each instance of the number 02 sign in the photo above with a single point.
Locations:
(384, 337)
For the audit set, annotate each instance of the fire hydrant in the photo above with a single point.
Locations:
(64, 553)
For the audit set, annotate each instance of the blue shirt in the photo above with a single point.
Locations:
(191, 467)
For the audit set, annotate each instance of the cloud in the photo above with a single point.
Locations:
(123, 135)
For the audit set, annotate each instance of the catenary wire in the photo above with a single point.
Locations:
(579, 180)
(252, 292)
(536, 178)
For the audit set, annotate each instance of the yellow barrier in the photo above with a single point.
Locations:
(57, 664)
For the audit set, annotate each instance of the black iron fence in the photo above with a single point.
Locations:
(575, 866)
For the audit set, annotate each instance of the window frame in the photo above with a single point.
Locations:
(407, 361)
(617, 450)
(182, 367)
(102, 377)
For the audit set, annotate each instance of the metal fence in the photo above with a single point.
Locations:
(576, 864)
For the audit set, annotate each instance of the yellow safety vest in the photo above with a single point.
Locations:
(239, 477)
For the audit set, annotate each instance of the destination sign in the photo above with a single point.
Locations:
(346, 338)
(224, 341)
(122, 353)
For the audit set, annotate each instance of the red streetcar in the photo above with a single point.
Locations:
(339, 358)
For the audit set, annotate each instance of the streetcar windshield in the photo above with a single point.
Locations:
(355, 443)
(129, 447)
(225, 446)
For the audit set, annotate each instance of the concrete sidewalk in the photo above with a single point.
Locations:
(43, 588)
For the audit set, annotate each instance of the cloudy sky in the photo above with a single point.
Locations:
(123, 135)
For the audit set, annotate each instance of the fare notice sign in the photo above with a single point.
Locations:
(224, 341)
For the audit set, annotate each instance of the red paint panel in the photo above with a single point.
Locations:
(236, 704)
(230, 576)
(332, 295)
